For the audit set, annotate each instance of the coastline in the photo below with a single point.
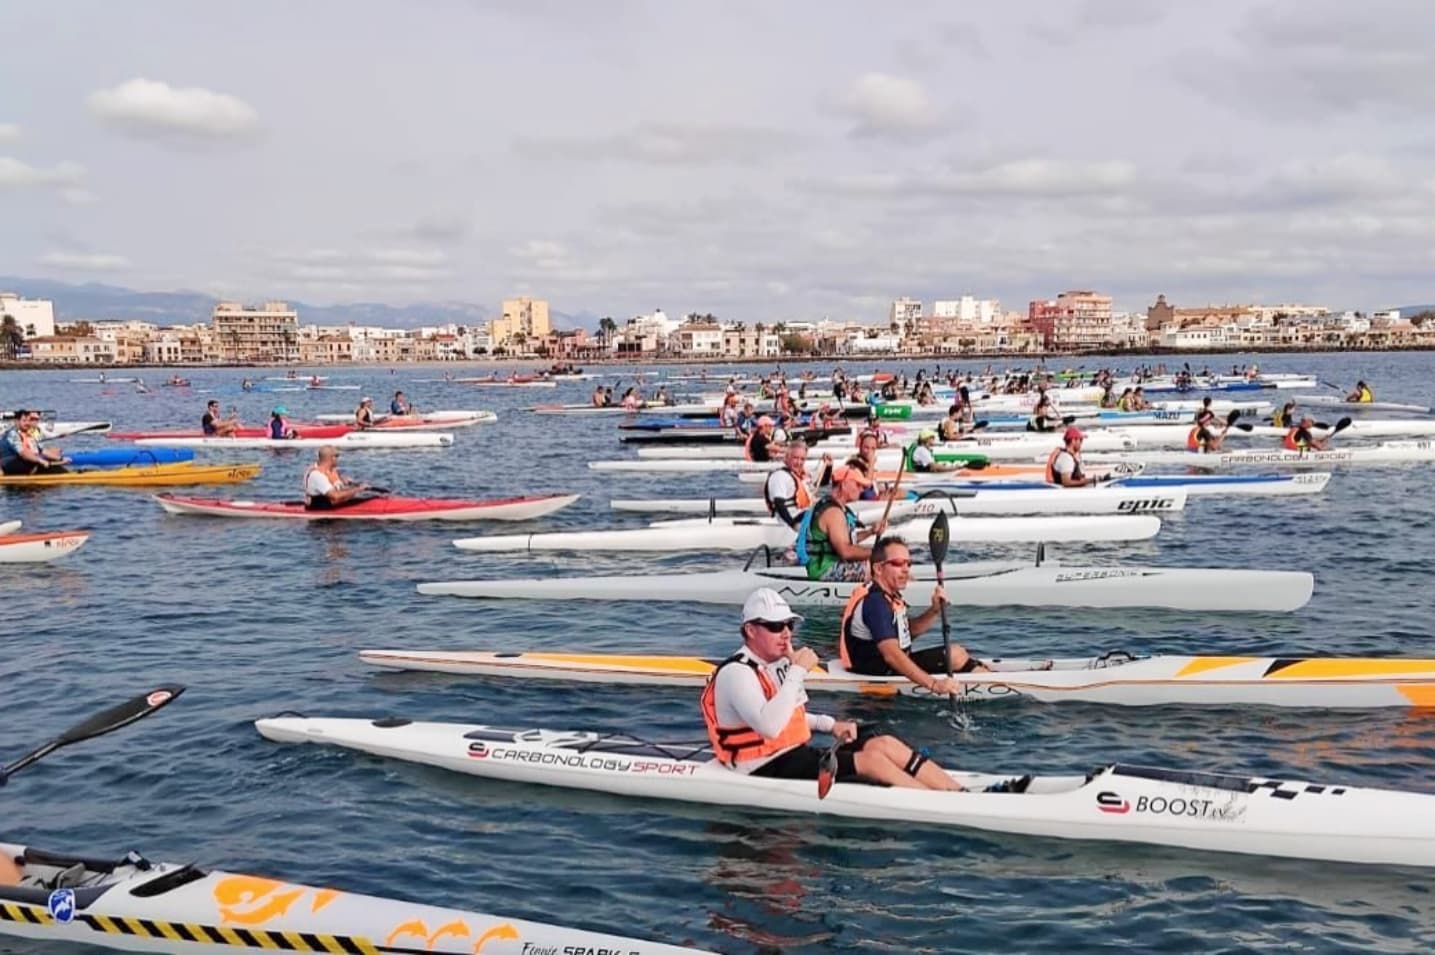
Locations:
(1015, 358)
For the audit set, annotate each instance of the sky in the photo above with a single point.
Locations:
(762, 161)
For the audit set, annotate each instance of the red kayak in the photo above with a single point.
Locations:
(305, 431)
(376, 508)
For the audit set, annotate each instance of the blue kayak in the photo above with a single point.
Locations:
(129, 457)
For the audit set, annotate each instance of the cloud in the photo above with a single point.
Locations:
(682, 144)
(146, 107)
(441, 228)
(1116, 14)
(1020, 178)
(409, 256)
(15, 173)
(9, 133)
(84, 261)
(78, 197)
(884, 106)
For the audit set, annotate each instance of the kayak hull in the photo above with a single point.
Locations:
(977, 584)
(39, 548)
(1114, 679)
(348, 441)
(159, 475)
(1029, 502)
(1191, 810)
(375, 509)
(744, 534)
(139, 906)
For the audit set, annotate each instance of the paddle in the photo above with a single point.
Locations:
(937, 540)
(827, 770)
(892, 493)
(108, 721)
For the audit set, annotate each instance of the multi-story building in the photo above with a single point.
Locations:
(903, 314)
(522, 320)
(71, 350)
(35, 316)
(700, 339)
(268, 333)
(128, 338)
(739, 341)
(1074, 320)
(968, 309)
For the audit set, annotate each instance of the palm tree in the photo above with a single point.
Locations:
(606, 328)
(11, 337)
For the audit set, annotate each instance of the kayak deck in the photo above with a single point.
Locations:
(375, 509)
(159, 475)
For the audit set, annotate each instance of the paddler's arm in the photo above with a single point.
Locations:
(740, 689)
(835, 526)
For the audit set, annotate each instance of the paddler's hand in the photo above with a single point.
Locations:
(945, 686)
(844, 731)
(939, 597)
(804, 657)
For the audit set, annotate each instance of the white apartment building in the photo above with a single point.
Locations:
(968, 309)
(35, 316)
(903, 313)
(875, 345)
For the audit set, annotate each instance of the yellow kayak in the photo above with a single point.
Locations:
(153, 475)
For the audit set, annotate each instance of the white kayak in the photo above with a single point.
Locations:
(1116, 678)
(38, 548)
(1389, 452)
(135, 905)
(972, 584)
(1191, 810)
(351, 441)
(736, 533)
(1012, 503)
(1195, 485)
(428, 419)
(10, 527)
(64, 429)
(1331, 401)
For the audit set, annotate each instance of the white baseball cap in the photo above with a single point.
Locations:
(767, 605)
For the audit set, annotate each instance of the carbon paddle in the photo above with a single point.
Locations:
(116, 717)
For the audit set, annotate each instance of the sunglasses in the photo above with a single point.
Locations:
(775, 626)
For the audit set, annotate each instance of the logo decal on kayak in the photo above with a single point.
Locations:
(478, 750)
(1112, 802)
(62, 905)
(159, 698)
(1147, 504)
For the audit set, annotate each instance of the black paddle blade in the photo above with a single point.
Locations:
(122, 715)
(938, 538)
(1231, 418)
(1341, 425)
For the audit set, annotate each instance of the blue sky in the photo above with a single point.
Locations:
(762, 161)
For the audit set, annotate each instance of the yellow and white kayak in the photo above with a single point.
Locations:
(1116, 678)
(153, 475)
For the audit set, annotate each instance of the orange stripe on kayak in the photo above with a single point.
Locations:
(30, 538)
(661, 664)
(1331, 667)
(1206, 664)
(1419, 694)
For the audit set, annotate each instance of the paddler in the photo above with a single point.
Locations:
(755, 708)
(1299, 437)
(827, 538)
(1203, 438)
(325, 489)
(923, 458)
(875, 638)
(873, 430)
(400, 405)
(1285, 417)
(20, 450)
(1362, 394)
(364, 414)
(213, 426)
(787, 492)
(1063, 466)
(762, 444)
(597, 399)
(279, 429)
(950, 427)
(1043, 415)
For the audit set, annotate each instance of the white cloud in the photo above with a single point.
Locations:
(76, 196)
(669, 144)
(84, 261)
(1036, 177)
(409, 256)
(882, 105)
(13, 172)
(150, 107)
(9, 133)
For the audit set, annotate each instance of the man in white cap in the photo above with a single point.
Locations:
(755, 708)
(364, 414)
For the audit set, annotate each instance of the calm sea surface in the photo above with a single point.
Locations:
(258, 617)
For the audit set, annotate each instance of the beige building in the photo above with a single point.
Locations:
(268, 333)
(71, 350)
(523, 316)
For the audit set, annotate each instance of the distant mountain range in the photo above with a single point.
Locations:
(94, 301)
(1407, 310)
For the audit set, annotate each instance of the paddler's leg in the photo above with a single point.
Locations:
(930, 660)
(888, 760)
(10, 873)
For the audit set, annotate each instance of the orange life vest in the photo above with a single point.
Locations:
(731, 742)
(1289, 443)
(1193, 441)
(801, 500)
(859, 594)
